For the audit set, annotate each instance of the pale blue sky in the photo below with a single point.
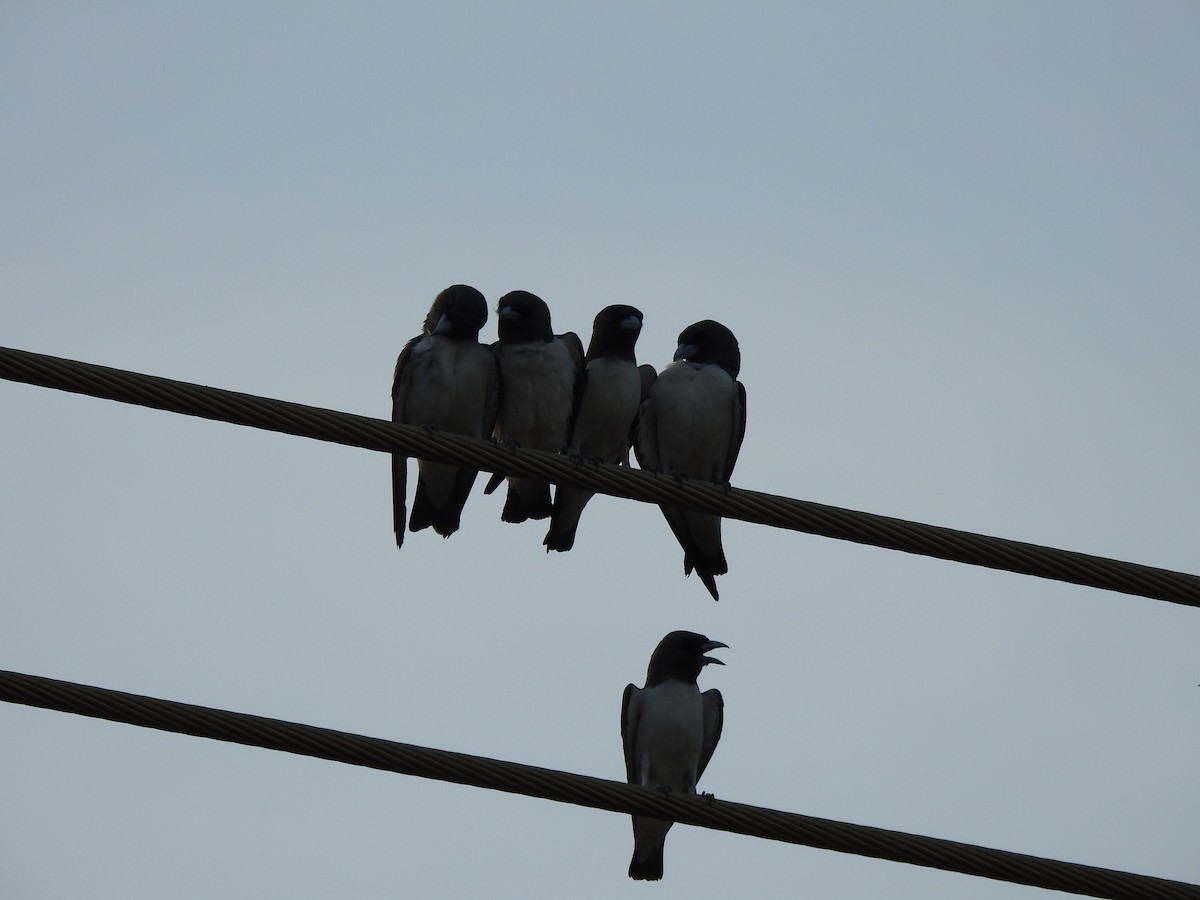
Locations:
(958, 245)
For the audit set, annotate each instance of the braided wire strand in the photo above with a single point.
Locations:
(735, 503)
(584, 790)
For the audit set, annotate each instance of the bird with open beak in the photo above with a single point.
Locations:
(670, 731)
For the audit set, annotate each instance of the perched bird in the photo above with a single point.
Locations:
(537, 386)
(445, 379)
(608, 392)
(691, 426)
(670, 731)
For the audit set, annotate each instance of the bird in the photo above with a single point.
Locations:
(537, 371)
(691, 426)
(608, 392)
(444, 379)
(669, 730)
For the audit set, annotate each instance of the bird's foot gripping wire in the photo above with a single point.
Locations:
(500, 442)
(579, 459)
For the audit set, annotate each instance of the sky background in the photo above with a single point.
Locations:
(958, 244)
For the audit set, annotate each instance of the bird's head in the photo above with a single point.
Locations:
(459, 312)
(710, 342)
(615, 331)
(523, 317)
(680, 656)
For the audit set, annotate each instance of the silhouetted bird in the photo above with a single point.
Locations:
(445, 379)
(608, 392)
(691, 426)
(669, 730)
(537, 385)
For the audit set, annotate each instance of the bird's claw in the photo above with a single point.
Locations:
(578, 459)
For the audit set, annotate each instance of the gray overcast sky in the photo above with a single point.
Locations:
(959, 246)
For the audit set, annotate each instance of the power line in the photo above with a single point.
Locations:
(750, 506)
(583, 790)
(384, 436)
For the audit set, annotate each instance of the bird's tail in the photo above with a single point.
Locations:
(649, 868)
(445, 521)
(526, 500)
(699, 534)
(649, 839)
(399, 487)
(444, 516)
(564, 518)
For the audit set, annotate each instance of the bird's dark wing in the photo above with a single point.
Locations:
(645, 437)
(714, 717)
(399, 461)
(735, 446)
(397, 387)
(631, 709)
(648, 376)
(496, 480)
(575, 345)
(491, 404)
(581, 380)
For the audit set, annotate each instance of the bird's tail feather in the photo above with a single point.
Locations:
(699, 534)
(649, 839)
(445, 518)
(526, 500)
(399, 487)
(564, 518)
(707, 578)
(493, 483)
(560, 537)
(648, 869)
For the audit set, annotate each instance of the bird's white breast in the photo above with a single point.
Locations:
(695, 410)
(538, 385)
(447, 384)
(614, 390)
(670, 733)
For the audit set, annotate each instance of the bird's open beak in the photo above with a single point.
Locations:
(711, 645)
(631, 323)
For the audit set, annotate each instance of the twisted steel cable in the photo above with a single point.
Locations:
(583, 790)
(750, 506)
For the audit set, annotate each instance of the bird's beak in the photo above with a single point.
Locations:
(631, 323)
(711, 645)
(683, 351)
(507, 312)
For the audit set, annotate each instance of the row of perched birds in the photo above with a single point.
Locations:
(537, 390)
